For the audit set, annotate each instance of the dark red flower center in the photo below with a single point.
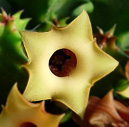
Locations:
(62, 62)
(28, 124)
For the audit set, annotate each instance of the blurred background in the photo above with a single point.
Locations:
(103, 13)
(43, 14)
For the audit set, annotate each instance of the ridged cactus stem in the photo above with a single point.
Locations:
(12, 54)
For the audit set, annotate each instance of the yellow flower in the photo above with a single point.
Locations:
(48, 74)
(21, 113)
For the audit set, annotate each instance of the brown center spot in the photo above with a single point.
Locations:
(28, 124)
(62, 62)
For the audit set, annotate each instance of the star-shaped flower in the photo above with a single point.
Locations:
(21, 113)
(64, 63)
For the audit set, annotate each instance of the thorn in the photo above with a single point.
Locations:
(100, 30)
(111, 32)
(3, 12)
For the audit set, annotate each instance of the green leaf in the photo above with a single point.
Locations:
(89, 7)
(121, 85)
(109, 12)
(66, 117)
(45, 10)
(123, 41)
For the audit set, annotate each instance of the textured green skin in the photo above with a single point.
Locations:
(12, 55)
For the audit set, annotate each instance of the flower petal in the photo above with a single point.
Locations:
(92, 64)
(19, 111)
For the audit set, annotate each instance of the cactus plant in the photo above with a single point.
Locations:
(11, 52)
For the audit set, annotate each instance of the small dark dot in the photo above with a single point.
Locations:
(62, 62)
(28, 124)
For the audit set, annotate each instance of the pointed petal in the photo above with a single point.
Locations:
(19, 111)
(105, 112)
(22, 103)
(104, 64)
(79, 28)
(92, 64)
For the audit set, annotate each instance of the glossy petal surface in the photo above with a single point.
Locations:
(19, 112)
(92, 64)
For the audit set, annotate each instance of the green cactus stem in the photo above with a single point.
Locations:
(12, 54)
